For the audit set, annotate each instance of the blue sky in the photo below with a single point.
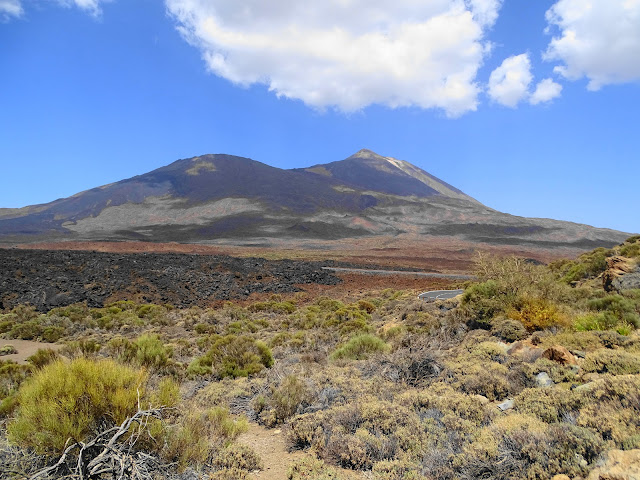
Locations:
(531, 107)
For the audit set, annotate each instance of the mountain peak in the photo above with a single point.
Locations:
(366, 154)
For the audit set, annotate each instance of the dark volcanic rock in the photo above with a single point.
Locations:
(55, 278)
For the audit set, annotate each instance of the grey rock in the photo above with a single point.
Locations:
(543, 380)
(628, 281)
(506, 405)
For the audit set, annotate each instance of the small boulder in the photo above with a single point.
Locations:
(525, 350)
(618, 465)
(558, 353)
(506, 405)
(543, 380)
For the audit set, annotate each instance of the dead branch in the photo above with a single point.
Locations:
(110, 454)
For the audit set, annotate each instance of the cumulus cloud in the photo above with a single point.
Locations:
(90, 6)
(599, 39)
(509, 83)
(545, 91)
(10, 8)
(346, 54)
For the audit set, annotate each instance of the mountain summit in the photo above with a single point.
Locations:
(220, 197)
(368, 170)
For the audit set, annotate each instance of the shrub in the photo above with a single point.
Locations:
(8, 350)
(238, 457)
(286, 399)
(588, 265)
(273, 306)
(151, 351)
(310, 468)
(481, 302)
(233, 356)
(197, 436)
(167, 394)
(43, 357)
(11, 377)
(616, 310)
(360, 347)
(229, 474)
(81, 348)
(518, 446)
(509, 330)
(68, 400)
(537, 314)
(616, 362)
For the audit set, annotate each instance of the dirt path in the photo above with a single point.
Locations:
(270, 446)
(25, 348)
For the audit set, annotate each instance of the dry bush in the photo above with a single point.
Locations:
(310, 468)
(615, 362)
(196, 437)
(518, 446)
(237, 457)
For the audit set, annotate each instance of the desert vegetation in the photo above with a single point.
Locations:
(534, 371)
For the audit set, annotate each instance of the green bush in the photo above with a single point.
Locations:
(483, 301)
(68, 400)
(8, 350)
(233, 356)
(273, 306)
(43, 357)
(588, 265)
(151, 351)
(360, 347)
(616, 310)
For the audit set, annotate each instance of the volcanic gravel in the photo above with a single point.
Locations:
(55, 278)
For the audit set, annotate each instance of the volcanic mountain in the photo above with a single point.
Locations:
(223, 198)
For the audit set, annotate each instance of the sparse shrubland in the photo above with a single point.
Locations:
(534, 371)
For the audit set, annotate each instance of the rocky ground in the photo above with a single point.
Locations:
(48, 279)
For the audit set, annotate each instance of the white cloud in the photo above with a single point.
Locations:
(509, 83)
(10, 8)
(545, 91)
(90, 6)
(599, 39)
(346, 53)
(13, 8)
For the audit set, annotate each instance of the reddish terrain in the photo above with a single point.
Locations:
(425, 253)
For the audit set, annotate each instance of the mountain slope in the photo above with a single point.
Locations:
(214, 198)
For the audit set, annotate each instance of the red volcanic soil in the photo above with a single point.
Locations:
(430, 254)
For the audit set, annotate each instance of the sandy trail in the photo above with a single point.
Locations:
(270, 445)
(25, 348)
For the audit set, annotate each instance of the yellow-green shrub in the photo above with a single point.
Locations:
(66, 400)
(233, 356)
(360, 347)
(537, 314)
